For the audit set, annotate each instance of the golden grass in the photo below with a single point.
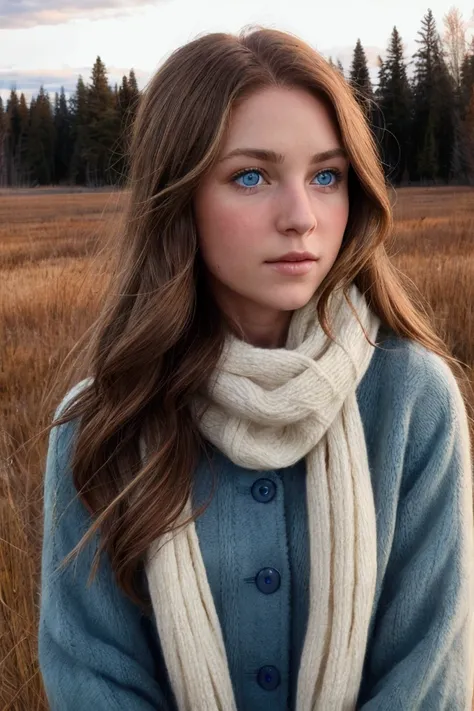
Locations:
(49, 295)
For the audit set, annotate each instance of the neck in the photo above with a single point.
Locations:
(261, 330)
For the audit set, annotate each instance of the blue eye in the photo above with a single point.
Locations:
(251, 175)
(327, 174)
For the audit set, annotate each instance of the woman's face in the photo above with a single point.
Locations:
(251, 209)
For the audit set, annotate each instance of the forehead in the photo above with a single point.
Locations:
(282, 114)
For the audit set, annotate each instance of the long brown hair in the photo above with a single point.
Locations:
(159, 333)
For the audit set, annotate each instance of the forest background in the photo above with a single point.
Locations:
(421, 110)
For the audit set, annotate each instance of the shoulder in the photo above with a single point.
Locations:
(71, 394)
(62, 435)
(415, 418)
(412, 375)
(410, 401)
(57, 476)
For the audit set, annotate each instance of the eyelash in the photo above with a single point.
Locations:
(337, 174)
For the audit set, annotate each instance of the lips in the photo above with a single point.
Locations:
(293, 268)
(290, 261)
(294, 257)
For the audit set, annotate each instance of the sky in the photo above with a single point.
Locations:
(51, 42)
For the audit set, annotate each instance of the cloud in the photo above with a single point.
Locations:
(29, 81)
(21, 14)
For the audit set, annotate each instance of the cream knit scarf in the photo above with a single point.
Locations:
(268, 409)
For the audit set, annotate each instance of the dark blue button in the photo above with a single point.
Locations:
(268, 580)
(264, 490)
(268, 677)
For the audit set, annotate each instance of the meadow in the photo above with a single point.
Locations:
(51, 285)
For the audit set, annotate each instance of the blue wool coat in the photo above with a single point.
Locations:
(97, 651)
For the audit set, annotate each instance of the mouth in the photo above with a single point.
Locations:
(292, 257)
(293, 267)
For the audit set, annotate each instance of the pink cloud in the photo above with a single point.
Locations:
(20, 14)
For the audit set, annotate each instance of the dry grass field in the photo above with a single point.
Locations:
(49, 294)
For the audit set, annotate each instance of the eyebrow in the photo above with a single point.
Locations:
(273, 157)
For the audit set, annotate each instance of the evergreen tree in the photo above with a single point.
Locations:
(469, 138)
(41, 139)
(21, 147)
(467, 78)
(63, 143)
(382, 77)
(459, 163)
(132, 81)
(15, 140)
(393, 117)
(434, 102)
(13, 133)
(123, 109)
(79, 133)
(103, 128)
(3, 138)
(337, 65)
(127, 97)
(359, 80)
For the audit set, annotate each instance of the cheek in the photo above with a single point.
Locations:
(339, 218)
(340, 211)
(226, 232)
(332, 233)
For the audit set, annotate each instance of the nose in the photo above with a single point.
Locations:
(295, 212)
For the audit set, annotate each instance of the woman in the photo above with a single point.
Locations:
(270, 447)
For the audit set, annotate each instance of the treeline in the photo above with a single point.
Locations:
(77, 141)
(423, 124)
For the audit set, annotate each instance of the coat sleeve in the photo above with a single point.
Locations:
(420, 657)
(94, 645)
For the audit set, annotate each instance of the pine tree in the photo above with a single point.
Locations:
(13, 133)
(22, 147)
(132, 80)
(63, 143)
(382, 77)
(124, 99)
(359, 80)
(467, 78)
(103, 128)
(394, 101)
(15, 159)
(469, 138)
(336, 65)
(3, 137)
(41, 139)
(126, 103)
(79, 133)
(434, 100)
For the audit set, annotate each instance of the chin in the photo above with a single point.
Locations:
(290, 299)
